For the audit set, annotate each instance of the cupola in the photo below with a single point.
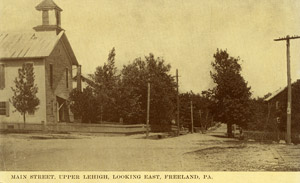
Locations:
(51, 19)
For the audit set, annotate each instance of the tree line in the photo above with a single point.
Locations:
(116, 95)
(122, 95)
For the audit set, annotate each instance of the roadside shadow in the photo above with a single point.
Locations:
(216, 149)
(221, 136)
(156, 137)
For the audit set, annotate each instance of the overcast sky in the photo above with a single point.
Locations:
(186, 33)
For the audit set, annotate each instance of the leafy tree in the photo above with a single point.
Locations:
(135, 77)
(105, 86)
(163, 93)
(231, 93)
(25, 99)
(260, 119)
(128, 99)
(206, 104)
(84, 105)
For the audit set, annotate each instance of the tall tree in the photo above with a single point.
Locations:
(106, 88)
(231, 93)
(163, 93)
(24, 98)
(129, 97)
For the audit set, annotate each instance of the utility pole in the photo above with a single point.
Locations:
(289, 99)
(148, 111)
(178, 125)
(192, 117)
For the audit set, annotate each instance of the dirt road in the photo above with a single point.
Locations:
(192, 152)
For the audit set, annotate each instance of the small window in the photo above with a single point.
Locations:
(67, 77)
(4, 108)
(31, 113)
(51, 75)
(2, 76)
(277, 105)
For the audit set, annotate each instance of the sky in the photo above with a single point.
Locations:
(186, 33)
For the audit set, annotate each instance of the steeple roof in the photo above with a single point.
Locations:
(47, 5)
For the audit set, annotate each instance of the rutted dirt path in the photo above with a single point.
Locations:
(192, 152)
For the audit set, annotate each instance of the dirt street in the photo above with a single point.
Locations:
(192, 152)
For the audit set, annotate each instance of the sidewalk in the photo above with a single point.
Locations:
(288, 156)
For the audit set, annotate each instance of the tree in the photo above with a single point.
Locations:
(163, 93)
(25, 99)
(231, 93)
(105, 87)
(84, 105)
(129, 97)
(260, 118)
(135, 77)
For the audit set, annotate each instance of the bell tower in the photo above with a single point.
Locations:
(51, 19)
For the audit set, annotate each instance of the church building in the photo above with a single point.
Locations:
(48, 50)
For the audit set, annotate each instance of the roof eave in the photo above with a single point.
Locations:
(21, 58)
(70, 50)
(47, 5)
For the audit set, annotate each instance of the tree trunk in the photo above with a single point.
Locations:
(24, 119)
(206, 117)
(229, 129)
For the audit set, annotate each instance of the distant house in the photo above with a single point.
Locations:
(277, 103)
(49, 51)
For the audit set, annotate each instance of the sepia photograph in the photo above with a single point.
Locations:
(149, 86)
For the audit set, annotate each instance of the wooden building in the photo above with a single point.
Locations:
(47, 48)
(277, 107)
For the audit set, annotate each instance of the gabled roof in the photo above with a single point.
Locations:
(32, 45)
(47, 5)
(274, 94)
(277, 92)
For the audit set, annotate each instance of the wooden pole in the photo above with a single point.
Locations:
(289, 98)
(192, 117)
(178, 125)
(289, 103)
(148, 111)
